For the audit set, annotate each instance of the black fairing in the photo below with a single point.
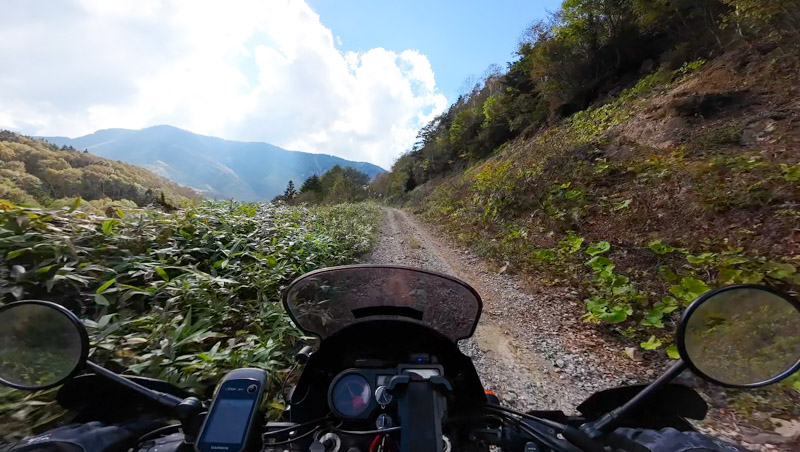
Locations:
(667, 408)
(389, 342)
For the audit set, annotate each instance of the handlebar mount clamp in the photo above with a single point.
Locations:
(421, 405)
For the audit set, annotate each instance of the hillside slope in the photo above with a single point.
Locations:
(637, 152)
(687, 180)
(685, 175)
(219, 168)
(37, 172)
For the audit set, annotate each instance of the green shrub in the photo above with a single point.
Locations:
(184, 297)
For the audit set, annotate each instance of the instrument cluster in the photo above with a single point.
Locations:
(362, 393)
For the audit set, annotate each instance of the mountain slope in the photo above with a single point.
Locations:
(36, 172)
(219, 168)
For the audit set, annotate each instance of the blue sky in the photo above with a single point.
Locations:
(351, 78)
(460, 38)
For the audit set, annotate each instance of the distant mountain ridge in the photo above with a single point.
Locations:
(247, 171)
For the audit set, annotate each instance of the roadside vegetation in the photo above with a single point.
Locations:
(183, 296)
(627, 153)
(635, 153)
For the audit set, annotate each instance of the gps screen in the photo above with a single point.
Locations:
(228, 421)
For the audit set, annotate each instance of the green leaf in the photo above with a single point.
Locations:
(777, 270)
(670, 302)
(101, 300)
(689, 289)
(729, 276)
(660, 248)
(571, 244)
(162, 274)
(653, 320)
(600, 264)
(572, 194)
(544, 255)
(728, 261)
(704, 258)
(45, 269)
(75, 205)
(106, 285)
(17, 253)
(108, 226)
(596, 303)
(668, 274)
(752, 277)
(651, 344)
(619, 313)
(598, 248)
(614, 317)
(104, 320)
(672, 352)
(694, 286)
(790, 173)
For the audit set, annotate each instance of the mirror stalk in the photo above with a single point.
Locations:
(166, 400)
(610, 420)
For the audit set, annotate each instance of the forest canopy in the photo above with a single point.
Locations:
(337, 185)
(585, 53)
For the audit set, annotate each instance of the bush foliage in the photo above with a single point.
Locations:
(182, 296)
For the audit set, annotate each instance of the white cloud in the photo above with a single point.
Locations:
(247, 70)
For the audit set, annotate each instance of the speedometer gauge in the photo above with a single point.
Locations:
(350, 395)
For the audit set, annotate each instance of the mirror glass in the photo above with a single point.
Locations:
(743, 336)
(39, 345)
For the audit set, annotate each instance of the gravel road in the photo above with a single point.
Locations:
(523, 348)
(530, 346)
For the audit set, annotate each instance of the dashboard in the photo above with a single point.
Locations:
(361, 393)
(345, 382)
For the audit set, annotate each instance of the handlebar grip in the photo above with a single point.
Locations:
(582, 440)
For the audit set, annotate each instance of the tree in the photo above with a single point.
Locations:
(312, 184)
(771, 20)
(290, 193)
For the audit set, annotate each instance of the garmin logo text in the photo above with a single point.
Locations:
(219, 447)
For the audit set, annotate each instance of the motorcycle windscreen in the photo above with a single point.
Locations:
(325, 301)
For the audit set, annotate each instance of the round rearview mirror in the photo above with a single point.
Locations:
(741, 336)
(41, 344)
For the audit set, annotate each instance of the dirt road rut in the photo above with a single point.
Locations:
(519, 349)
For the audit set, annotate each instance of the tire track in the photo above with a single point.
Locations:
(518, 356)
